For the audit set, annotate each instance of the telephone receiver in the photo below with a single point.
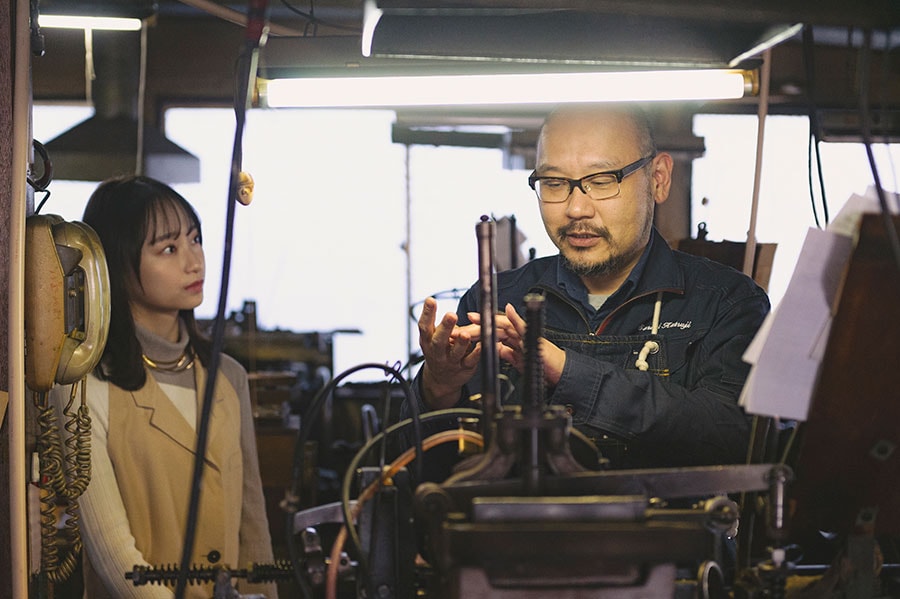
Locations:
(66, 301)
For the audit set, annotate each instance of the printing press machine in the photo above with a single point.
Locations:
(522, 517)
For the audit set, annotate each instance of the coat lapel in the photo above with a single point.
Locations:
(166, 418)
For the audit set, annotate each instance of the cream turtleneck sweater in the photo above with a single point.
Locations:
(179, 386)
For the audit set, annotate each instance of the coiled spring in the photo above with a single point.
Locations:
(168, 574)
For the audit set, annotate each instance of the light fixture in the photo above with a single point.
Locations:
(116, 140)
(596, 33)
(506, 88)
(89, 22)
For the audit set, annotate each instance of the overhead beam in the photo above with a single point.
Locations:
(871, 13)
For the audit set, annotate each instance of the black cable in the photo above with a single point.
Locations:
(311, 415)
(382, 459)
(885, 107)
(43, 182)
(360, 455)
(312, 19)
(43, 200)
(890, 229)
(385, 417)
(815, 132)
(810, 114)
(454, 293)
(245, 73)
(809, 177)
(357, 459)
(307, 424)
(382, 456)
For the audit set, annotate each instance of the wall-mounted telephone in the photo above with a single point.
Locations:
(66, 301)
(66, 326)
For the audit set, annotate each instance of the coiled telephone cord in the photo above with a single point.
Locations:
(64, 479)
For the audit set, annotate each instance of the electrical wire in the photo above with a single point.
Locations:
(887, 218)
(314, 21)
(885, 77)
(789, 444)
(811, 114)
(42, 182)
(311, 18)
(354, 464)
(292, 549)
(457, 435)
(385, 417)
(246, 72)
(43, 200)
(308, 422)
(815, 132)
(311, 415)
(445, 294)
(382, 456)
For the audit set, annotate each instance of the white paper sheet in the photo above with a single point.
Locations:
(787, 351)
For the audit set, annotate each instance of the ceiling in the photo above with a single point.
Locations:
(192, 46)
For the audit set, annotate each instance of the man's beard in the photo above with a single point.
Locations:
(612, 265)
(617, 260)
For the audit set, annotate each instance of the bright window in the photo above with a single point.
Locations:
(722, 183)
(322, 246)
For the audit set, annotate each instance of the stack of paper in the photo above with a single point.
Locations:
(788, 349)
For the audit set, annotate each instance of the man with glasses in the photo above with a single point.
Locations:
(642, 345)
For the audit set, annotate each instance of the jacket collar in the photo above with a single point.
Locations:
(661, 270)
(165, 417)
(657, 270)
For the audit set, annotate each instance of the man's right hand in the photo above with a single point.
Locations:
(452, 355)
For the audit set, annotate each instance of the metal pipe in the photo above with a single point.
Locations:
(750, 248)
(18, 522)
(407, 191)
(490, 361)
(533, 400)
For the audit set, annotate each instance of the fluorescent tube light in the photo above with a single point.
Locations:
(83, 22)
(545, 88)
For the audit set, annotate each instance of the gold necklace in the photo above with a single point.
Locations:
(183, 362)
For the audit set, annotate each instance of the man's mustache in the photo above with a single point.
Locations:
(583, 229)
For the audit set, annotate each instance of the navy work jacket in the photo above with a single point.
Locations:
(683, 410)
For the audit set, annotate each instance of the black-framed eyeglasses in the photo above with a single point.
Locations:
(597, 186)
